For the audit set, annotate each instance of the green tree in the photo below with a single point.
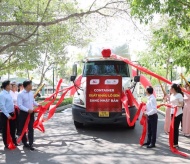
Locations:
(171, 39)
(177, 10)
(31, 29)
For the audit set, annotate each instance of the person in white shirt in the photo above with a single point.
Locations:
(7, 107)
(14, 92)
(176, 100)
(14, 95)
(26, 105)
(20, 87)
(152, 118)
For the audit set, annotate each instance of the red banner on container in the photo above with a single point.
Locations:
(104, 93)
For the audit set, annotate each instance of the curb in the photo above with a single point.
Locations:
(161, 112)
(59, 109)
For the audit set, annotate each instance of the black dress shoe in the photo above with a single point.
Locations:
(16, 144)
(18, 133)
(146, 144)
(6, 146)
(151, 146)
(26, 145)
(32, 148)
(176, 146)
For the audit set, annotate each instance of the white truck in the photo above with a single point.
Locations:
(96, 65)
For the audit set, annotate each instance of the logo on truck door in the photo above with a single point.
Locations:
(94, 81)
(111, 81)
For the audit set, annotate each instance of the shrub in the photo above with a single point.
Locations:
(66, 101)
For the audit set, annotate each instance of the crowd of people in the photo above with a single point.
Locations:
(182, 100)
(17, 100)
(176, 98)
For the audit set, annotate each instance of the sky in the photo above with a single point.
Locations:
(122, 30)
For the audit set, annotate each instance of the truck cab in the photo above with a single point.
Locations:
(101, 67)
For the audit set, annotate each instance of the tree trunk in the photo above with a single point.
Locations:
(167, 72)
(28, 74)
(43, 68)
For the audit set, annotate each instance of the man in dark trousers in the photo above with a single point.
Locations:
(0, 116)
(7, 108)
(26, 103)
(152, 118)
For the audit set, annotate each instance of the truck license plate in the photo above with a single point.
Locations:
(104, 114)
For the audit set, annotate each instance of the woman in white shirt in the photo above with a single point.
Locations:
(13, 92)
(14, 95)
(176, 100)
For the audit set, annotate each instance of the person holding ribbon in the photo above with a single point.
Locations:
(26, 105)
(167, 114)
(0, 116)
(152, 118)
(7, 107)
(176, 100)
(186, 111)
(14, 95)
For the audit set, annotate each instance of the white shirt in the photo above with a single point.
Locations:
(14, 96)
(174, 101)
(25, 100)
(151, 105)
(6, 103)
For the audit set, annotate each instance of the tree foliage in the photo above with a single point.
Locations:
(172, 39)
(34, 34)
(177, 10)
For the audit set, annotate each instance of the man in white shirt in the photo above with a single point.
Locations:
(152, 118)
(26, 105)
(7, 107)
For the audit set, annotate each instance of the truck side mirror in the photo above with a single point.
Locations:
(74, 71)
(72, 78)
(137, 79)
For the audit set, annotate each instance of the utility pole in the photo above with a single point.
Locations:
(53, 80)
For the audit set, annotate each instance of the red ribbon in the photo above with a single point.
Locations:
(145, 70)
(38, 122)
(140, 108)
(16, 108)
(171, 135)
(10, 143)
(25, 129)
(143, 122)
(53, 109)
(40, 110)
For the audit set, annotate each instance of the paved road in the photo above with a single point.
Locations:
(62, 143)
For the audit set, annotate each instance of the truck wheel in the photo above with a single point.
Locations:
(78, 124)
(132, 127)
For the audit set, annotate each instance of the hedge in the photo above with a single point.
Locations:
(65, 102)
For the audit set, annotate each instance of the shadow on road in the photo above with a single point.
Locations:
(99, 144)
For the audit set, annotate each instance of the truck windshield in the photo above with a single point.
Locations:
(104, 68)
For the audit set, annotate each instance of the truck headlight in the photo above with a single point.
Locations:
(78, 101)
